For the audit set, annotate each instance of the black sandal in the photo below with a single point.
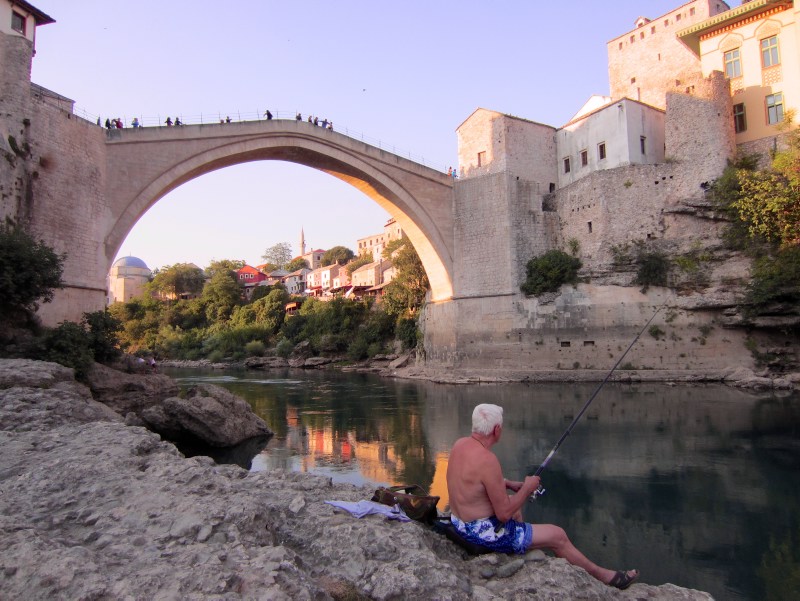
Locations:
(622, 580)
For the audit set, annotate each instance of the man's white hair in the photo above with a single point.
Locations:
(485, 417)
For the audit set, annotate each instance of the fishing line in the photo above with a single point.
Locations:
(540, 491)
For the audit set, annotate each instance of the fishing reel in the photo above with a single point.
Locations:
(537, 493)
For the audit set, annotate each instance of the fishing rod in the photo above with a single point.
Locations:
(540, 491)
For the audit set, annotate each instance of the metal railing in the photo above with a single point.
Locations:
(220, 117)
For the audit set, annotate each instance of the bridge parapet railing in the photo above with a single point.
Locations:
(218, 117)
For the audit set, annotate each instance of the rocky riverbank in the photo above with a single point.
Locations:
(91, 508)
(405, 366)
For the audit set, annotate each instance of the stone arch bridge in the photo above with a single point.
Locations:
(144, 164)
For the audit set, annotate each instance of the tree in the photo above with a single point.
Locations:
(29, 271)
(405, 294)
(174, 281)
(769, 200)
(295, 264)
(337, 254)
(278, 254)
(223, 265)
(221, 294)
(360, 261)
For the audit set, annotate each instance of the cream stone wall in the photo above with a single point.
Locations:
(757, 82)
(618, 126)
(649, 61)
(506, 144)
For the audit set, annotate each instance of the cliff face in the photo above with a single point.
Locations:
(90, 507)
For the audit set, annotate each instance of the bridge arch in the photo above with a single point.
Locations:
(149, 163)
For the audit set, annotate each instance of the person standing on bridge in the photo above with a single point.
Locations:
(178, 121)
(299, 117)
(268, 115)
(168, 121)
(135, 122)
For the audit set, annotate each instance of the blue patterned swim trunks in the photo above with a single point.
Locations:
(511, 537)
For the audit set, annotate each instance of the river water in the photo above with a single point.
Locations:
(694, 485)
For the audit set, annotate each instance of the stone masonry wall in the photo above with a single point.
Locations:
(68, 205)
(498, 226)
(649, 61)
(15, 68)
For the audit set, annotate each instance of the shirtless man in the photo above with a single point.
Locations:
(484, 513)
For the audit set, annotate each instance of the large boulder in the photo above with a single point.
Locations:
(129, 393)
(33, 374)
(25, 408)
(207, 413)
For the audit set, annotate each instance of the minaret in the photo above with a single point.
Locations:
(302, 242)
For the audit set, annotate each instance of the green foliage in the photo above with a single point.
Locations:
(574, 246)
(268, 312)
(278, 254)
(30, 271)
(102, 330)
(231, 342)
(548, 272)
(69, 344)
(405, 294)
(175, 281)
(338, 254)
(653, 270)
(223, 265)
(769, 200)
(295, 264)
(254, 348)
(406, 332)
(221, 294)
(775, 283)
(284, 348)
(359, 261)
(656, 332)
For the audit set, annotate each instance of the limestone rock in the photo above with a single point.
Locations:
(101, 510)
(208, 413)
(265, 362)
(401, 361)
(23, 409)
(125, 392)
(29, 373)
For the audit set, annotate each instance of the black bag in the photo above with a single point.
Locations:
(415, 502)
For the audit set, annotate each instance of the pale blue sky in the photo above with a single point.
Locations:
(405, 73)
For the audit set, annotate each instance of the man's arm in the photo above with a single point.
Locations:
(504, 506)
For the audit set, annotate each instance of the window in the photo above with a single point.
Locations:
(620, 45)
(775, 108)
(589, 224)
(633, 39)
(481, 158)
(666, 22)
(633, 80)
(17, 22)
(643, 144)
(678, 17)
(739, 121)
(733, 64)
(641, 35)
(653, 29)
(769, 52)
(691, 12)
(584, 158)
(566, 165)
(601, 151)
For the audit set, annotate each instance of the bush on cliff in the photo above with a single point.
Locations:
(548, 272)
(30, 271)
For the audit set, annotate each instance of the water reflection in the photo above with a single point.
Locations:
(693, 485)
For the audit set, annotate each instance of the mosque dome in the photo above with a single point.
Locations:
(130, 262)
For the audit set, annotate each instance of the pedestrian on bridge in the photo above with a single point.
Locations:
(168, 121)
(268, 115)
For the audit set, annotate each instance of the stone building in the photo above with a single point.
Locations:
(757, 47)
(373, 245)
(126, 279)
(650, 60)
